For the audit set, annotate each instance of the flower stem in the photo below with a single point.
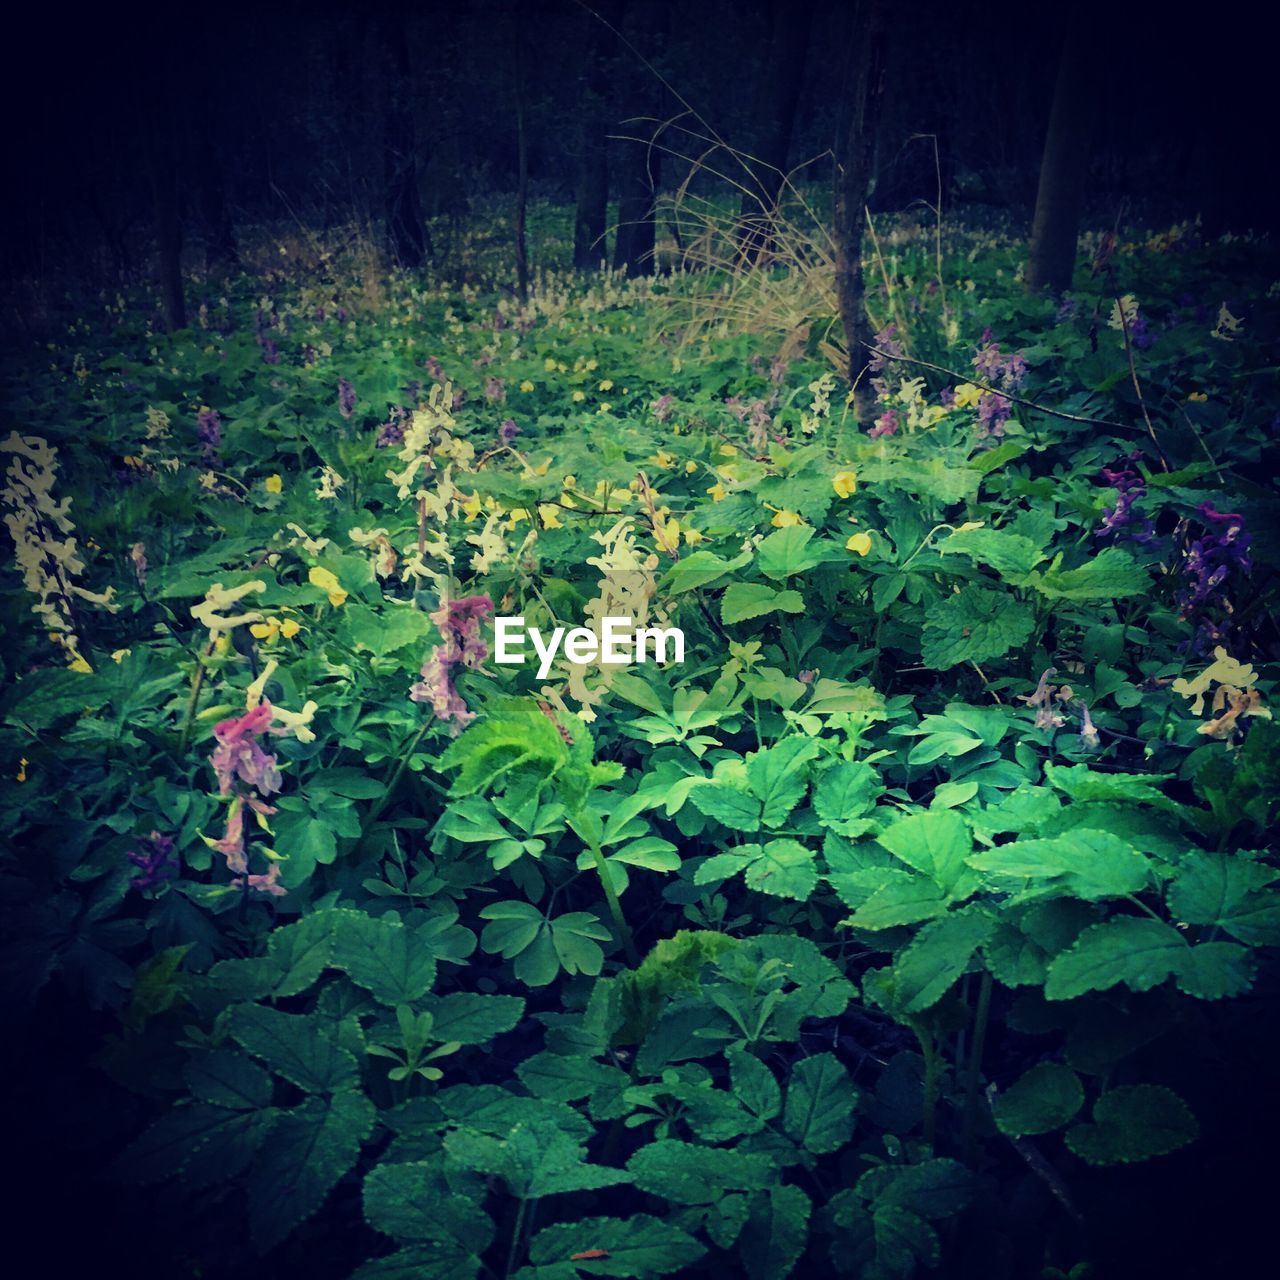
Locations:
(611, 897)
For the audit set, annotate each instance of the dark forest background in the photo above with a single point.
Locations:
(125, 125)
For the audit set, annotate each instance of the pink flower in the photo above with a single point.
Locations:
(267, 883)
(238, 754)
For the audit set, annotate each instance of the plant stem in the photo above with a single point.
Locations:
(516, 1231)
(197, 684)
(932, 1073)
(396, 774)
(611, 897)
(980, 1018)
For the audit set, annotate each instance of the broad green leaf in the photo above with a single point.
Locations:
(775, 1232)
(778, 777)
(787, 551)
(390, 960)
(640, 1246)
(1131, 1123)
(925, 969)
(820, 1102)
(935, 843)
(1110, 574)
(745, 600)
(414, 1201)
(227, 1078)
(470, 1018)
(845, 792)
(1216, 970)
(296, 1046)
(1039, 1101)
(754, 1084)
(1135, 950)
(1011, 555)
(691, 1174)
(1089, 864)
(783, 868)
(974, 625)
(902, 898)
(311, 1148)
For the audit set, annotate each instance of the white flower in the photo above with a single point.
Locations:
(209, 612)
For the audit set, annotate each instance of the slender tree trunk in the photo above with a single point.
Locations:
(1065, 166)
(522, 162)
(592, 196)
(640, 163)
(778, 98)
(854, 176)
(407, 240)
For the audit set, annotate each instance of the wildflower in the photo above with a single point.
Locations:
(495, 390)
(664, 460)
(859, 543)
(526, 386)
(1227, 326)
(845, 483)
(289, 628)
(21, 775)
(663, 407)
(119, 655)
(330, 483)
(785, 519)
(327, 581)
(273, 484)
(267, 883)
(1129, 486)
(346, 398)
(1197, 397)
(1042, 700)
(578, 397)
(549, 515)
(508, 431)
(886, 424)
(459, 622)
(155, 865)
(606, 384)
(1089, 740)
(549, 364)
(239, 755)
(692, 537)
(1211, 559)
(210, 611)
(138, 558)
(993, 412)
(208, 432)
(718, 492)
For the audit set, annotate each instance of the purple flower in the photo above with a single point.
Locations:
(155, 865)
(663, 407)
(887, 347)
(270, 354)
(208, 432)
(993, 412)
(1006, 371)
(432, 366)
(508, 431)
(495, 390)
(392, 431)
(346, 398)
(1212, 558)
(459, 622)
(238, 754)
(886, 424)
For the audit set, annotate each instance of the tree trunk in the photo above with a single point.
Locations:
(778, 98)
(592, 196)
(407, 239)
(640, 165)
(855, 172)
(1065, 166)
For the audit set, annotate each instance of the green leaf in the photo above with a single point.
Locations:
(691, 1174)
(935, 843)
(820, 1103)
(1135, 950)
(311, 1148)
(1011, 555)
(1110, 574)
(925, 969)
(390, 960)
(745, 600)
(168, 1148)
(779, 778)
(641, 1246)
(902, 898)
(296, 1046)
(784, 868)
(1131, 1123)
(226, 1078)
(414, 1201)
(1216, 970)
(754, 1084)
(1088, 864)
(1227, 891)
(1043, 1099)
(468, 1018)
(845, 792)
(513, 734)
(429, 1260)
(787, 551)
(973, 625)
(775, 1233)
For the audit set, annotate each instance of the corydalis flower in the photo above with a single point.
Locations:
(239, 755)
(508, 431)
(663, 407)
(459, 622)
(495, 390)
(1211, 558)
(208, 432)
(155, 865)
(1042, 699)
(885, 425)
(346, 398)
(1129, 486)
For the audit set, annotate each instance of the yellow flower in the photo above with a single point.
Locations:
(273, 484)
(692, 537)
(222, 644)
(22, 770)
(471, 508)
(690, 467)
(566, 500)
(515, 515)
(266, 630)
(606, 384)
(785, 519)
(289, 628)
(592, 365)
(571, 482)
(549, 365)
(718, 492)
(326, 581)
(80, 665)
(1198, 396)
(119, 655)
(526, 385)
(860, 543)
(729, 449)
(549, 514)
(967, 395)
(844, 483)
(664, 460)
(578, 397)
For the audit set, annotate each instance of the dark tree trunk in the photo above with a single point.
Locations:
(522, 160)
(854, 176)
(640, 162)
(592, 196)
(1064, 168)
(407, 240)
(777, 99)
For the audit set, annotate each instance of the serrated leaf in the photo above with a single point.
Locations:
(1089, 864)
(820, 1102)
(640, 1246)
(311, 1148)
(1216, 970)
(1039, 1101)
(1109, 575)
(778, 777)
(754, 1084)
(414, 1201)
(469, 1018)
(926, 968)
(691, 1174)
(1131, 1123)
(226, 1078)
(775, 1232)
(745, 600)
(388, 959)
(1134, 950)
(293, 1045)
(1011, 555)
(974, 625)
(935, 843)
